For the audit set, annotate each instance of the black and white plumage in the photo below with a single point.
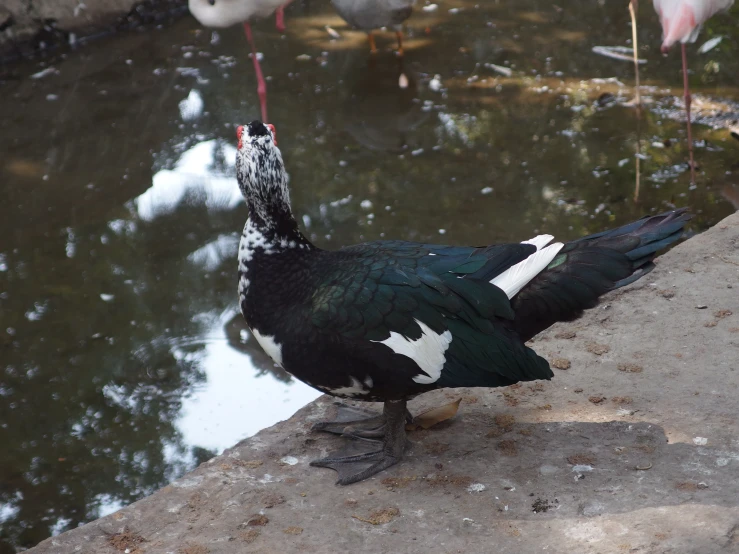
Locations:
(388, 320)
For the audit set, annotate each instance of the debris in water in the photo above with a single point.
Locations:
(710, 44)
(505, 71)
(44, 72)
(617, 53)
(332, 33)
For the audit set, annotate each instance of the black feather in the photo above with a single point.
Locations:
(589, 267)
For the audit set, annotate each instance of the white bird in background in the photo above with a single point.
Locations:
(681, 22)
(226, 13)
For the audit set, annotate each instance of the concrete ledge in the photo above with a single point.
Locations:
(30, 25)
(633, 448)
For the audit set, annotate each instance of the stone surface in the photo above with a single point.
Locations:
(20, 20)
(535, 467)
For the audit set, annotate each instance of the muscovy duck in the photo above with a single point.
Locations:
(388, 320)
(226, 13)
(369, 15)
(681, 22)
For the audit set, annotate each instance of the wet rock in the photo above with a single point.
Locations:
(30, 25)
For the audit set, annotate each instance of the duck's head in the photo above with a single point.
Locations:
(222, 13)
(261, 171)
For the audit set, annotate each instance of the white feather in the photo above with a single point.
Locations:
(540, 241)
(513, 279)
(427, 351)
(270, 346)
(354, 389)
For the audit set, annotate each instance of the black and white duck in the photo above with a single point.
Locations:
(385, 321)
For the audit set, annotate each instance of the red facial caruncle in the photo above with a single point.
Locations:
(239, 132)
(274, 132)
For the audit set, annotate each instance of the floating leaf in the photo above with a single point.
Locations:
(431, 417)
(617, 53)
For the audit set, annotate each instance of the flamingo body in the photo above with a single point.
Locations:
(226, 13)
(682, 19)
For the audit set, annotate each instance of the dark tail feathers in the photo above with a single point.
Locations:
(641, 240)
(587, 268)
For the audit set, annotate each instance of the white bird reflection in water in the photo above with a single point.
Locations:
(234, 401)
(194, 174)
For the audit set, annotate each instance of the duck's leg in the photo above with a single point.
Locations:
(686, 95)
(349, 423)
(372, 426)
(261, 84)
(280, 19)
(399, 35)
(394, 444)
(373, 46)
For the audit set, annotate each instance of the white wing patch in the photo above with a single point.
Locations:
(428, 351)
(270, 346)
(540, 241)
(513, 279)
(356, 388)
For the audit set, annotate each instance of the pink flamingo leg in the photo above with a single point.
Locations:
(280, 19)
(261, 84)
(686, 95)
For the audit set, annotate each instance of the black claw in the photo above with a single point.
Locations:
(390, 426)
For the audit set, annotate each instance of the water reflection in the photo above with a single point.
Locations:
(204, 174)
(123, 360)
(238, 398)
(382, 109)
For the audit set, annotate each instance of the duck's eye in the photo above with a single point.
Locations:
(212, 2)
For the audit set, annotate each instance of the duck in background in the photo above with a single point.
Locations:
(227, 13)
(380, 109)
(369, 15)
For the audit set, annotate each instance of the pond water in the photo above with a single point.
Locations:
(123, 358)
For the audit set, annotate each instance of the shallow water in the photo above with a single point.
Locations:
(123, 359)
